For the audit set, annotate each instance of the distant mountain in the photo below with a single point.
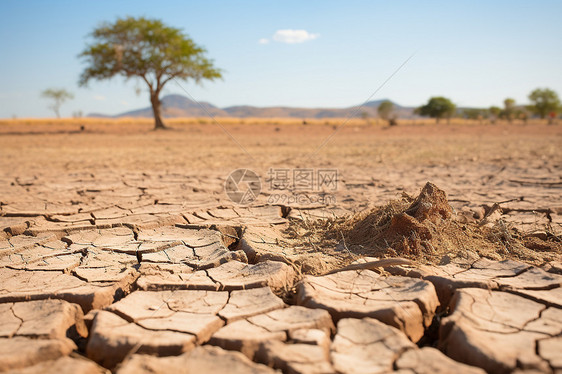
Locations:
(375, 103)
(399, 110)
(98, 115)
(178, 106)
(181, 106)
(252, 111)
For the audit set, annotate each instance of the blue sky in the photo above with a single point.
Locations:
(475, 52)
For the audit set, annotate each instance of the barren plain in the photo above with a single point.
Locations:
(121, 251)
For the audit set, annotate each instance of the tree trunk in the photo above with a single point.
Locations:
(156, 107)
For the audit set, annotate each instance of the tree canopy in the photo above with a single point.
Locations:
(495, 111)
(58, 96)
(437, 107)
(385, 109)
(544, 101)
(473, 113)
(146, 49)
(508, 109)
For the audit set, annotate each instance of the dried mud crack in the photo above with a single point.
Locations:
(200, 286)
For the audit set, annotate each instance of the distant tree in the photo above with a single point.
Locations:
(508, 109)
(495, 112)
(475, 114)
(385, 110)
(472, 113)
(545, 101)
(58, 96)
(149, 50)
(437, 107)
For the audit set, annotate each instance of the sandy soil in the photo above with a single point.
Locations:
(117, 242)
(474, 164)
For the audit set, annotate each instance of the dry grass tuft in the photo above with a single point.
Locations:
(423, 229)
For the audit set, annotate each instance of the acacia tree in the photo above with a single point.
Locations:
(437, 107)
(149, 50)
(545, 101)
(59, 96)
(385, 111)
(509, 108)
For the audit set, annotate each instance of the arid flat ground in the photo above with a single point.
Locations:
(474, 164)
(128, 236)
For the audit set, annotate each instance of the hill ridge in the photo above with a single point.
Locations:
(176, 105)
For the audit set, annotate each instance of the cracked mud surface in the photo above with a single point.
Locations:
(107, 268)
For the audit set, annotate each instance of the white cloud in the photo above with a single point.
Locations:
(263, 41)
(99, 97)
(293, 36)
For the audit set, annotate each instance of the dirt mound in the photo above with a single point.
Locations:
(407, 226)
(425, 228)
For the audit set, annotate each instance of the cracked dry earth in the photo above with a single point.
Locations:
(169, 287)
(157, 272)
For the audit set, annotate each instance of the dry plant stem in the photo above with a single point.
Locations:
(373, 265)
(484, 220)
